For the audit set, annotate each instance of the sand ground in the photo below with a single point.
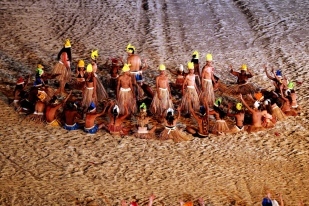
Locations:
(40, 165)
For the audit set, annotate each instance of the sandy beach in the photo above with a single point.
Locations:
(41, 165)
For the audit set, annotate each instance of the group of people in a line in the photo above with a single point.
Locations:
(203, 96)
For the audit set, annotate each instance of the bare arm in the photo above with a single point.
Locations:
(245, 103)
(184, 84)
(151, 199)
(267, 73)
(232, 71)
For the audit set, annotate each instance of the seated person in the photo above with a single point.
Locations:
(115, 120)
(91, 115)
(51, 110)
(70, 115)
(142, 122)
(239, 116)
(202, 119)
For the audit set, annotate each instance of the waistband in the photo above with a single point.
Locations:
(191, 87)
(164, 89)
(70, 125)
(38, 113)
(207, 80)
(89, 87)
(89, 128)
(125, 89)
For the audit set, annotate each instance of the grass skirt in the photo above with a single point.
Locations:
(101, 92)
(158, 106)
(126, 97)
(65, 74)
(235, 129)
(38, 118)
(207, 93)
(244, 89)
(277, 113)
(190, 97)
(175, 134)
(143, 133)
(220, 127)
(87, 97)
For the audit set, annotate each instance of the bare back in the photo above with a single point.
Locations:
(135, 62)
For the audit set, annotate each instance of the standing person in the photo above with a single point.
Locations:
(101, 93)
(63, 67)
(256, 124)
(125, 94)
(70, 116)
(171, 131)
(207, 95)
(190, 95)
(162, 98)
(51, 110)
(80, 79)
(239, 117)
(202, 130)
(136, 70)
(197, 72)
(89, 92)
(243, 86)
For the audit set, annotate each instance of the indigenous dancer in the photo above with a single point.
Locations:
(197, 72)
(80, 79)
(115, 125)
(267, 119)
(100, 90)
(20, 86)
(63, 67)
(286, 107)
(207, 95)
(162, 98)
(202, 119)
(256, 116)
(52, 108)
(142, 122)
(190, 95)
(70, 116)
(125, 95)
(114, 74)
(220, 126)
(91, 115)
(39, 110)
(89, 93)
(239, 117)
(293, 95)
(136, 70)
(171, 131)
(242, 87)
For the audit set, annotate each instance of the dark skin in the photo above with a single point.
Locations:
(91, 117)
(242, 76)
(71, 115)
(256, 114)
(239, 116)
(52, 109)
(199, 119)
(125, 81)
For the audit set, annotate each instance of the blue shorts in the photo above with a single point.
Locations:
(92, 130)
(75, 126)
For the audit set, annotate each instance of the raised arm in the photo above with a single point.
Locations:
(232, 71)
(245, 103)
(267, 73)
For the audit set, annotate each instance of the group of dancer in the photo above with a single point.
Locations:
(203, 96)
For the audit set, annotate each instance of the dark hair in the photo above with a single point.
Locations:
(67, 50)
(132, 50)
(53, 99)
(115, 114)
(221, 113)
(170, 118)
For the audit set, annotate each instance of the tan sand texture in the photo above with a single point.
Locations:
(40, 165)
